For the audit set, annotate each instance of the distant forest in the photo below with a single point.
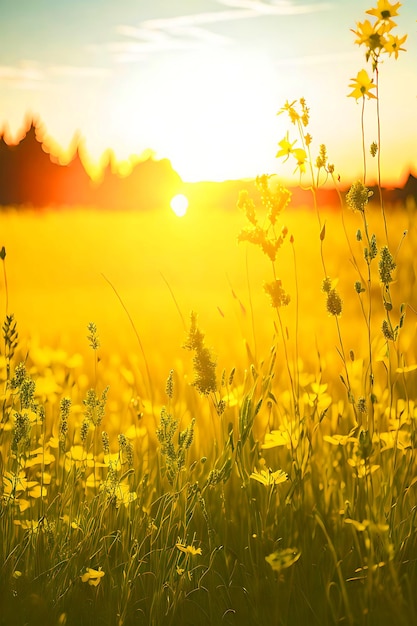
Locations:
(30, 176)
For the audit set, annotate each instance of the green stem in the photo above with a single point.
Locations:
(381, 199)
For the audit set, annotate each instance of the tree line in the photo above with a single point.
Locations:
(31, 176)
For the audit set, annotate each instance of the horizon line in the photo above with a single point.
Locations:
(124, 167)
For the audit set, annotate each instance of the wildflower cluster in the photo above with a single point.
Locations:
(378, 39)
(274, 201)
(299, 115)
(377, 36)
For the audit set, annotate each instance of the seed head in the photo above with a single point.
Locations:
(169, 389)
(327, 284)
(334, 303)
(387, 331)
(65, 406)
(362, 405)
(357, 196)
(277, 294)
(386, 266)
(126, 449)
(374, 148)
(106, 442)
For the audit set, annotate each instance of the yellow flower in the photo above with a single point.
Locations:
(286, 147)
(301, 157)
(13, 483)
(92, 576)
(188, 549)
(384, 11)
(361, 86)
(282, 559)
(75, 524)
(275, 439)
(393, 45)
(289, 107)
(367, 34)
(268, 477)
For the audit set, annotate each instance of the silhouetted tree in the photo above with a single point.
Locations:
(29, 174)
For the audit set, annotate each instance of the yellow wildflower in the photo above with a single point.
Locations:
(286, 147)
(268, 477)
(368, 35)
(384, 11)
(362, 85)
(301, 157)
(393, 45)
(282, 559)
(275, 439)
(92, 576)
(188, 549)
(289, 107)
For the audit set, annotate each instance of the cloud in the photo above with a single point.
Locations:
(26, 75)
(190, 32)
(277, 7)
(31, 75)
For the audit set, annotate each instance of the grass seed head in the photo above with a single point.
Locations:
(386, 266)
(334, 303)
(357, 197)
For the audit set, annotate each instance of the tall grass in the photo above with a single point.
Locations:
(151, 478)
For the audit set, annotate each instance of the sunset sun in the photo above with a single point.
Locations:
(179, 204)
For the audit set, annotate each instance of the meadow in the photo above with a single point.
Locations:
(132, 495)
(212, 419)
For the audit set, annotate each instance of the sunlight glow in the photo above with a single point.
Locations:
(179, 204)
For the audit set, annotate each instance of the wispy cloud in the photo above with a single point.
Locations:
(31, 75)
(277, 7)
(192, 31)
(26, 75)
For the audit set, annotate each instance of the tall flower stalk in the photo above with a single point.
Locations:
(377, 37)
(378, 40)
(318, 172)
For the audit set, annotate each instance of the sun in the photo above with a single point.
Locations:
(179, 204)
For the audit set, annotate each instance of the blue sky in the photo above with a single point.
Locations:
(201, 81)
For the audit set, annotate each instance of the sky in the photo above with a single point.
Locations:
(201, 81)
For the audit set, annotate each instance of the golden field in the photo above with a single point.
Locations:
(58, 263)
(281, 497)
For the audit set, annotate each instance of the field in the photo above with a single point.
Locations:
(237, 466)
